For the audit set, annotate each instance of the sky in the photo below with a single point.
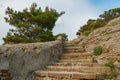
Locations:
(77, 12)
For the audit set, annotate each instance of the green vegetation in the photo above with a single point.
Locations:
(110, 63)
(31, 25)
(114, 72)
(86, 33)
(111, 75)
(65, 36)
(103, 19)
(97, 51)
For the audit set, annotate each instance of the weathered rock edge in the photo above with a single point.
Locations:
(23, 59)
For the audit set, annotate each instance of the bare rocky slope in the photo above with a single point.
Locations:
(108, 38)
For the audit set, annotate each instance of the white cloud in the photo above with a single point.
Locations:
(1, 6)
(77, 13)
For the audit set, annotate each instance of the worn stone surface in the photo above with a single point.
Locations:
(118, 77)
(83, 69)
(108, 37)
(117, 64)
(78, 40)
(23, 59)
(61, 75)
(77, 68)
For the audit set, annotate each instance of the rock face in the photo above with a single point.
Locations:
(107, 37)
(23, 59)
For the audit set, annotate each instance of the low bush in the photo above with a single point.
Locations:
(110, 63)
(111, 75)
(87, 33)
(97, 50)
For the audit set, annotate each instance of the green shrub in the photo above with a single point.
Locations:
(103, 19)
(111, 75)
(110, 63)
(87, 33)
(97, 50)
(64, 35)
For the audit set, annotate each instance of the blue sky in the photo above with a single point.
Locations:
(105, 4)
(77, 13)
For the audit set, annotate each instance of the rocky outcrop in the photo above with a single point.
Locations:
(23, 59)
(108, 38)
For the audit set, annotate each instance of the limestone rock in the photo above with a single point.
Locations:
(108, 37)
(78, 40)
(23, 59)
(117, 64)
(118, 77)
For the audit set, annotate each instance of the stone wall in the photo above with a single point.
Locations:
(23, 59)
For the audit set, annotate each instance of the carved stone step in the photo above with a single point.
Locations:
(76, 60)
(65, 75)
(76, 55)
(76, 64)
(85, 69)
(51, 78)
(73, 50)
(72, 47)
(66, 44)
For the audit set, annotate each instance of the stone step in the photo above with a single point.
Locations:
(79, 54)
(77, 64)
(50, 78)
(76, 60)
(66, 42)
(76, 55)
(85, 69)
(69, 44)
(62, 75)
(72, 47)
(71, 51)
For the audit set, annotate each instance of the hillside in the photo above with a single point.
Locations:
(92, 57)
(108, 39)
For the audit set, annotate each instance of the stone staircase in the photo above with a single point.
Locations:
(73, 64)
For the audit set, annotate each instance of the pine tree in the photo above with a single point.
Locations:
(31, 25)
(100, 22)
